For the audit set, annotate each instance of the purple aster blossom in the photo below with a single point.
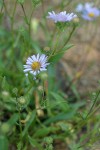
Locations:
(90, 13)
(61, 17)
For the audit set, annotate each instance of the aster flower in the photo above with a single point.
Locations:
(61, 17)
(88, 11)
(35, 64)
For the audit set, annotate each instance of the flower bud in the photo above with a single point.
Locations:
(40, 88)
(5, 127)
(5, 93)
(34, 25)
(76, 20)
(48, 140)
(43, 75)
(15, 91)
(22, 100)
(47, 49)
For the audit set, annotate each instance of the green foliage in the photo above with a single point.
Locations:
(29, 123)
(21, 1)
(3, 142)
(36, 2)
(34, 143)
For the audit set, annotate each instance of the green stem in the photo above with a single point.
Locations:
(69, 36)
(20, 125)
(96, 98)
(29, 88)
(30, 21)
(25, 14)
(55, 46)
(30, 27)
(2, 7)
(6, 9)
(13, 14)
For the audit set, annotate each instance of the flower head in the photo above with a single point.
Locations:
(61, 17)
(35, 64)
(88, 11)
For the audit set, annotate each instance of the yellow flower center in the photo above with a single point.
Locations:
(36, 65)
(91, 15)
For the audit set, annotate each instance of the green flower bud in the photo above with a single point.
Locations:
(34, 25)
(22, 100)
(76, 20)
(40, 88)
(5, 93)
(5, 127)
(15, 91)
(43, 75)
(48, 140)
(46, 49)
(50, 147)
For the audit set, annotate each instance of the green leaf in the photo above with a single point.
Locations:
(55, 58)
(66, 48)
(44, 131)
(59, 100)
(4, 84)
(34, 143)
(36, 47)
(13, 119)
(28, 124)
(77, 105)
(3, 143)
(59, 117)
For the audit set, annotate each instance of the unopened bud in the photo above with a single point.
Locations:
(5, 93)
(44, 75)
(48, 140)
(5, 127)
(46, 49)
(15, 91)
(76, 20)
(40, 88)
(50, 147)
(22, 100)
(34, 25)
